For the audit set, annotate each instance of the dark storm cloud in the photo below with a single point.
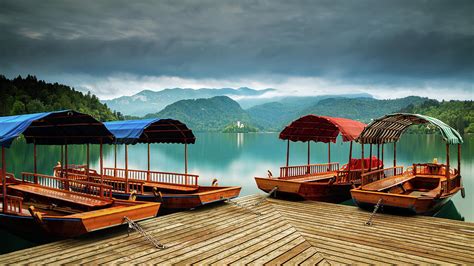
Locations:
(388, 41)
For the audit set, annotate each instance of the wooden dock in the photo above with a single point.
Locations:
(274, 232)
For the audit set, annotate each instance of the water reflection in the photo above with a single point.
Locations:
(235, 159)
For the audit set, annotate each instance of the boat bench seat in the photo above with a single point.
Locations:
(311, 178)
(166, 186)
(387, 183)
(68, 196)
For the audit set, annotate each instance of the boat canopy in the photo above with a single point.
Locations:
(390, 127)
(54, 128)
(151, 131)
(322, 129)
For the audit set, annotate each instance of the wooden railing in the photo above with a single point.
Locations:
(14, 204)
(429, 169)
(373, 176)
(154, 176)
(299, 170)
(119, 185)
(74, 182)
(348, 176)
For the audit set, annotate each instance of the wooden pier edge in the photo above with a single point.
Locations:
(274, 232)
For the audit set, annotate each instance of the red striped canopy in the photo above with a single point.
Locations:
(322, 129)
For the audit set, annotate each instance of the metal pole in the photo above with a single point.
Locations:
(101, 162)
(35, 166)
(362, 163)
(382, 157)
(148, 173)
(126, 168)
(66, 166)
(447, 169)
(329, 152)
(309, 152)
(4, 181)
(186, 158)
(378, 154)
(88, 161)
(287, 156)
(115, 160)
(394, 157)
(459, 159)
(350, 155)
(62, 161)
(370, 157)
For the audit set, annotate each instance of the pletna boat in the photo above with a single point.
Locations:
(422, 188)
(39, 204)
(321, 182)
(173, 190)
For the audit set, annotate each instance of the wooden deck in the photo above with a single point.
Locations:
(275, 232)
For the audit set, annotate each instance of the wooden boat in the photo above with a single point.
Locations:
(45, 205)
(422, 188)
(173, 190)
(320, 182)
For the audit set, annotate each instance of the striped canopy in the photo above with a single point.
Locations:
(390, 127)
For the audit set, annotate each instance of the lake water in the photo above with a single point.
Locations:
(235, 159)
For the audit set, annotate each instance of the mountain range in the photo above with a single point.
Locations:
(148, 101)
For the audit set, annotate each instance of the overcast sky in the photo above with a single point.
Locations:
(387, 48)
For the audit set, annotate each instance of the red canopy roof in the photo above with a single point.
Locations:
(322, 129)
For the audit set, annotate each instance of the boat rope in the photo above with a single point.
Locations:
(133, 225)
(256, 204)
(376, 208)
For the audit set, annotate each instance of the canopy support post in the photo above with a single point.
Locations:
(350, 156)
(287, 157)
(88, 161)
(66, 166)
(329, 152)
(394, 157)
(35, 166)
(62, 161)
(126, 169)
(115, 160)
(309, 157)
(362, 163)
(448, 185)
(148, 172)
(4, 181)
(101, 168)
(459, 159)
(370, 157)
(186, 158)
(382, 157)
(378, 154)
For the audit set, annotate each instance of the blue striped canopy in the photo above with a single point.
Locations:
(154, 130)
(53, 128)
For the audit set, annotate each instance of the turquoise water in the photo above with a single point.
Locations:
(235, 159)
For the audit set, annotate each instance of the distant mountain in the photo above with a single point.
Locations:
(362, 109)
(458, 114)
(273, 115)
(212, 114)
(249, 102)
(148, 101)
(30, 95)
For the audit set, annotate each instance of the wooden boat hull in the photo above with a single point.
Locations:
(81, 223)
(398, 202)
(175, 201)
(317, 191)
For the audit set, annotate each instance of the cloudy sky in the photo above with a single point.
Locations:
(112, 48)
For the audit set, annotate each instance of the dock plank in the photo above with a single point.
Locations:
(275, 232)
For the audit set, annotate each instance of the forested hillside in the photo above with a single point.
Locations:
(30, 95)
(458, 114)
(212, 114)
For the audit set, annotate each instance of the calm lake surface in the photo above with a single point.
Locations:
(235, 159)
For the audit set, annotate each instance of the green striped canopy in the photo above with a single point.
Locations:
(389, 128)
